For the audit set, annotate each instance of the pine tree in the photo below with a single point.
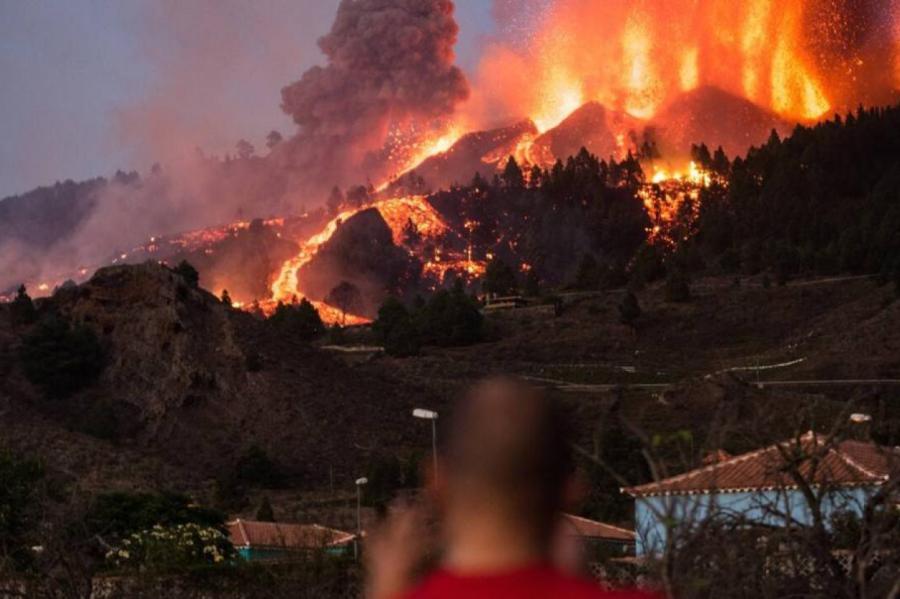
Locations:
(22, 308)
(629, 309)
(532, 284)
(411, 236)
(678, 288)
(499, 278)
(512, 175)
(188, 273)
(335, 201)
(265, 513)
(347, 298)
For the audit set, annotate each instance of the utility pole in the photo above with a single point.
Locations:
(432, 416)
(360, 482)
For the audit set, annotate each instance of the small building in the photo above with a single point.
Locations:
(278, 541)
(599, 539)
(494, 302)
(763, 487)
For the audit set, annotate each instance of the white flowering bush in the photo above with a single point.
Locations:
(172, 547)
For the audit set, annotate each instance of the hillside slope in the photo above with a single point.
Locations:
(177, 388)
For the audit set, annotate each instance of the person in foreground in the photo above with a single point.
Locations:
(504, 479)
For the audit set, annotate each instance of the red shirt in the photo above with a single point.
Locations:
(536, 582)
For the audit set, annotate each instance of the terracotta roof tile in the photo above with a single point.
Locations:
(247, 533)
(584, 527)
(846, 464)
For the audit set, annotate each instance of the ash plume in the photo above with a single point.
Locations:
(390, 64)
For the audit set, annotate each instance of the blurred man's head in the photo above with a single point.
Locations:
(508, 455)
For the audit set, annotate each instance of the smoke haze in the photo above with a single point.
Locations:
(390, 66)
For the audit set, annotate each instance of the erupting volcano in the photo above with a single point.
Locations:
(800, 60)
(644, 80)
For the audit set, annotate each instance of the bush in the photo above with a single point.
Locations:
(300, 320)
(256, 468)
(347, 298)
(254, 362)
(187, 272)
(629, 309)
(61, 360)
(118, 515)
(678, 288)
(532, 285)
(589, 275)
(22, 308)
(499, 278)
(395, 330)
(19, 513)
(99, 420)
(265, 513)
(450, 318)
(172, 548)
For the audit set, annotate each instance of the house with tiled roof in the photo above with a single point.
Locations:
(769, 486)
(273, 541)
(599, 539)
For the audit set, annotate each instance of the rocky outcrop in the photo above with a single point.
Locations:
(186, 403)
(168, 344)
(361, 252)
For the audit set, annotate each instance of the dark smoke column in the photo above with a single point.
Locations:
(390, 62)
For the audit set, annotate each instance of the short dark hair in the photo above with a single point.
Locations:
(510, 441)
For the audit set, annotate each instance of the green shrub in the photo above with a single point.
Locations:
(61, 360)
(19, 509)
(187, 272)
(299, 320)
(395, 330)
(629, 309)
(118, 515)
(172, 548)
(499, 278)
(450, 319)
(256, 468)
(22, 308)
(678, 288)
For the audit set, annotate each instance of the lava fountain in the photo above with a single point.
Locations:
(801, 59)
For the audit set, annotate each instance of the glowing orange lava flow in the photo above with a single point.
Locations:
(396, 212)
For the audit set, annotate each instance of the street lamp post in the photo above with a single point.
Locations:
(360, 482)
(432, 416)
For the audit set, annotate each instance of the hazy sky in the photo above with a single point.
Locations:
(89, 85)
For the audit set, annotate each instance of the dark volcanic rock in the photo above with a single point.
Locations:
(717, 118)
(242, 263)
(177, 378)
(479, 152)
(361, 252)
(592, 126)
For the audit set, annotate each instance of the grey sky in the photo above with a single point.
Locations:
(81, 78)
